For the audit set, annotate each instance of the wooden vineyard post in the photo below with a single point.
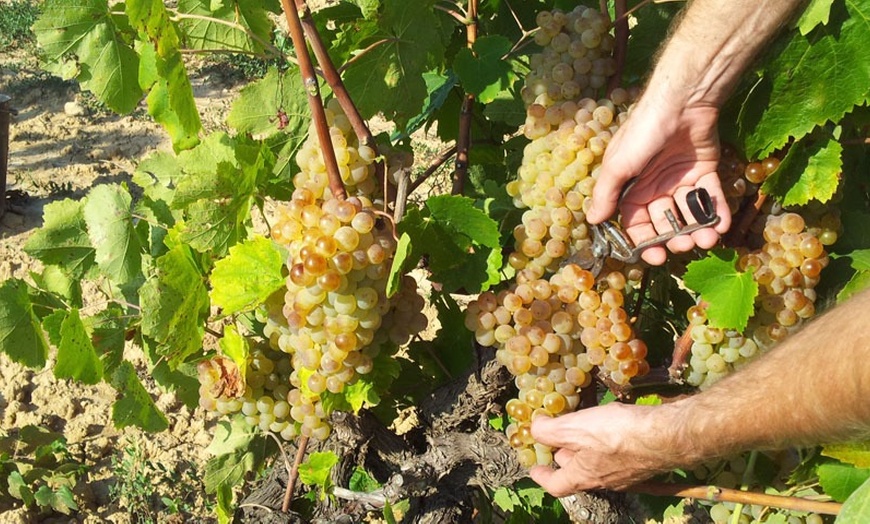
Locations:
(5, 119)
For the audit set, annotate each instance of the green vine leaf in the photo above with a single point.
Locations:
(251, 272)
(175, 305)
(856, 510)
(76, 356)
(810, 171)
(99, 41)
(63, 238)
(841, 480)
(482, 69)
(816, 78)
(112, 233)
(236, 347)
(240, 450)
(389, 77)
(261, 106)
(226, 26)
(818, 12)
(315, 471)
(729, 293)
(135, 407)
(461, 242)
(170, 101)
(21, 335)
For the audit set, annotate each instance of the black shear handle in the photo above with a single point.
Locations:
(701, 206)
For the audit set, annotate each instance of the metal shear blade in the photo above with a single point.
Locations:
(609, 239)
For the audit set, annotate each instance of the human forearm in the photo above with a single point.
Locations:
(712, 47)
(810, 389)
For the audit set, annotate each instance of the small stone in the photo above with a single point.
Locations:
(73, 109)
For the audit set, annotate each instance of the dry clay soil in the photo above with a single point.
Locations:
(60, 147)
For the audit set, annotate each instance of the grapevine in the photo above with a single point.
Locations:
(310, 328)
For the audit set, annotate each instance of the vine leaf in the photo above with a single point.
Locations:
(175, 305)
(170, 100)
(856, 510)
(213, 24)
(21, 336)
(366, 390)
(63, 239)
(484, 72)
(98, 39)
(855, 453)
(315, 471)
(251, 272)
(389, 77)
(135, 407)
(809, 171)
(840, 480)
(729, 293)
(861, 279)
(235, 346)
(216, 189)
(76, 356)
(259, 106)
(817, 12)
(112, 233)
(460, 241)
(240, 449)
(401, 260)
(816, 78)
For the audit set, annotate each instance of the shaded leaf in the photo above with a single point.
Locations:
(135, 407)
(63, 238)
(482, 69)
(110, 228)
(21, 335)
(76, 356)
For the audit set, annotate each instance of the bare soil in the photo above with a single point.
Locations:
(61, 145)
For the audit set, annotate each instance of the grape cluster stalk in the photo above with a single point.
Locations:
(557, 326)
(335, 317)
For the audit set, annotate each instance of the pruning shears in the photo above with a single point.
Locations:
(610, 240)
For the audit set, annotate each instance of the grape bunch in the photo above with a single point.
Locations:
(786, 269)
(730, 473)
(335, 316)
(261, 397)
(551, 335)
(555, 181)
(576, 57)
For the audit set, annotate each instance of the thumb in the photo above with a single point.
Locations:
(605, 196)
(555, 481)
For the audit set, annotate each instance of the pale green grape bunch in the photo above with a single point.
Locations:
(723, 513)
(787, 269)
(336, 317)
(355, 161)
(260, 393)
(575, 59)
(553, 336)
(555, 181)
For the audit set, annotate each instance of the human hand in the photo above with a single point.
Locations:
(671, 151)
(611, 446)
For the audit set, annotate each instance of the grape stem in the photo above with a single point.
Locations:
(445, 155)
(621, 32)
(294, 471)
(682, 350)
(318, 115)
(744, 485)
(333, 79)
(463, 141)
(717, 494)
(737, 236)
